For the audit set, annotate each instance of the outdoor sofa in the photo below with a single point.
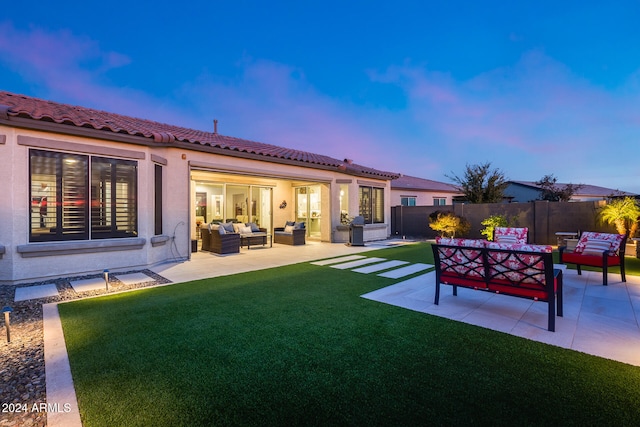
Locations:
(520, 270)
(293, 233)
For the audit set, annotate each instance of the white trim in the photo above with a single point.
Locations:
(59, 145)
(33, 250)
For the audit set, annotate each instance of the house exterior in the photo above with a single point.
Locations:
(413, 191)
(526, 191)
(88, 190)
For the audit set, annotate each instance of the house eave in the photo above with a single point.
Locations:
(65, 129)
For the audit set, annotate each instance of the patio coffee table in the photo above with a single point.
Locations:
(256, 239)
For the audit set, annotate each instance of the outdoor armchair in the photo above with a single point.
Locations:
(602, 250)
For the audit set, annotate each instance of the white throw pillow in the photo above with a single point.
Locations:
(245, 230)
(596, 246)
(289, 229)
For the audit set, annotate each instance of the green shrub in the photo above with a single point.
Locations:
(491, 223)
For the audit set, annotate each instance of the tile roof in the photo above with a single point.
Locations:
(584, 191)
(406, 182)
(14, 105)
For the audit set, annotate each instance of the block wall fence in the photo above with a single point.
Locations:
(543, 218)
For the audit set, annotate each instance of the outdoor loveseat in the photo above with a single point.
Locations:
(602, 250)
(293, 233)
(216, 238)
(520, 270)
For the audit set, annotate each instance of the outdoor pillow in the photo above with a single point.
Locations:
(228, 227)
(289, 223)
(222, 231)
(506, 239)
(245, 230)
(254, 227)
(298, 225)
(596, 246)
(289, 229)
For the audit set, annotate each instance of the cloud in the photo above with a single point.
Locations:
(275, 103)
(74, 69)
(536, 114)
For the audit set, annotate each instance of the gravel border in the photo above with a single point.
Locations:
(22, 369)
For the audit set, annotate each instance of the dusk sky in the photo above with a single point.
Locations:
(416, 87)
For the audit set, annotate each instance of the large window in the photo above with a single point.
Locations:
(114, 210)
(61, 196)
(372, 204)
(439, 201)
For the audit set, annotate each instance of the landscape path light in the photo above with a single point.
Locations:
(106, 278)
(6, 310)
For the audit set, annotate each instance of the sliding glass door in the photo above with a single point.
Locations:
(308, 208)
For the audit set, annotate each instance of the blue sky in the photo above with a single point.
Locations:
(421, 88)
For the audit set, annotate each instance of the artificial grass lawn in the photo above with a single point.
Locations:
(296, 345)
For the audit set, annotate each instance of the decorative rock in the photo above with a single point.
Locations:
(22, 370)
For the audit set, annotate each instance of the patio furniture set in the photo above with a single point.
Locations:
(229, 237)
(509, 265)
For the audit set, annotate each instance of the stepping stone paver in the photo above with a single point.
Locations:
(133, 278)
(405, 271)
(88, 285)
(34, 292)
(379, 267)
(337, 260)
(357, 263)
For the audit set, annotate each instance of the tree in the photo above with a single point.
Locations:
(623, 214)
(481, 184)
(556, 193)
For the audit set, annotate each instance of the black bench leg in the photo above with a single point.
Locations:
(437, 299)
(559, 296)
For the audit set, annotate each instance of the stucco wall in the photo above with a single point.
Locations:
(23, 261)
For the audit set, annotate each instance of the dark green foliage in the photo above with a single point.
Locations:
(556, 193)
(481, 184)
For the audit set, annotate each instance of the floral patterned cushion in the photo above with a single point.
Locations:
(517, 268)
(510, 234)
(595, 241)
(464, 260)
(451, 241)
(519, 247)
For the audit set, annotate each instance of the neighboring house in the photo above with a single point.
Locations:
(526, 191)
(413, 191)
(87, 190)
